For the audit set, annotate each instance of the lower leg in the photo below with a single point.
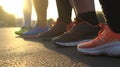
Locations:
(85, 10)
(27, 10)
(64, 10)
(64, 18)
(107, 42)
(111, 14)
(41, 11)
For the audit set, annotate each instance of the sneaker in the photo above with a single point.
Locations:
(58, 29)
(102, 44)
(22, 30)
(35, 31)
(81, 30)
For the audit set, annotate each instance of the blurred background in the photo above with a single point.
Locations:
(11, 14)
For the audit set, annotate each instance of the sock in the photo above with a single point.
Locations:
(27, 10)
(89, 17)
(27, 23)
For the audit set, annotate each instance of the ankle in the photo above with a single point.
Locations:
(90, 17)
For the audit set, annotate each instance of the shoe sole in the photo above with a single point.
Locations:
(31, 36)
(18, 33)
(110, 49)
(46, 39)
(70, 44)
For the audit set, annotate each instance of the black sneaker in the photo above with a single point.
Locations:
(81, 30)
(58, 29)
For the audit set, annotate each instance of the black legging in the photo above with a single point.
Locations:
(64, 10)
(112, 13)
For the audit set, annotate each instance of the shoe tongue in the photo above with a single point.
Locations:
(75, 27)
(69, 26)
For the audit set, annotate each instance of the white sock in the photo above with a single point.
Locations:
(27, 11)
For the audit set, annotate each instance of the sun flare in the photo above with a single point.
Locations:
(15, 7)
(12, 6)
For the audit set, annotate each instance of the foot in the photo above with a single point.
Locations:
(58, 29)
(22, 30)
(104, 43)
(35, 31)
(81, 30)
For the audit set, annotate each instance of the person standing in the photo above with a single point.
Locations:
(85, 25)
(108, 40)
(41, 12)
(67, 32)
(27, 11)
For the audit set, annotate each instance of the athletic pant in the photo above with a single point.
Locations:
(112, 13)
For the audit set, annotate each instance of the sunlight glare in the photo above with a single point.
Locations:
(15, 7)
(97, 5)
(12, 6)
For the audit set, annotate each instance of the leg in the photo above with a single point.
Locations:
(41, 11)
(111, 14)
(107, 42)
(64, 10)
(27, 10)
(64, 18)
(82, 27)
(86, 10)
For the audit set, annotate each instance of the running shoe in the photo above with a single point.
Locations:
(58, 28)
(22, 30)
(35, 31)
(81, 30)
(104, 43)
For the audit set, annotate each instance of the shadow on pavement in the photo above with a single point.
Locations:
(71, 52)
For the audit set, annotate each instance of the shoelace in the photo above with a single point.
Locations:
(68, 27)
(102, 28)
(101, 35)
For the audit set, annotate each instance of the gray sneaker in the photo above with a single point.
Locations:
(58, 29)
(80, 31)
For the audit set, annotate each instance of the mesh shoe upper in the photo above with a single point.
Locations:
(107, 42)
(36, 30)
(81, 30)
(58, 29)
(22, 30)
(106, 36)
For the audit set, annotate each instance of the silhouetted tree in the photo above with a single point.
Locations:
(6, 19)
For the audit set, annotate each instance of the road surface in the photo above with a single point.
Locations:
(16, 51)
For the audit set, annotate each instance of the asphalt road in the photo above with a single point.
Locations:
(19, 52)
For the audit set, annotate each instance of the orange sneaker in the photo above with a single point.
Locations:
(101, 43)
